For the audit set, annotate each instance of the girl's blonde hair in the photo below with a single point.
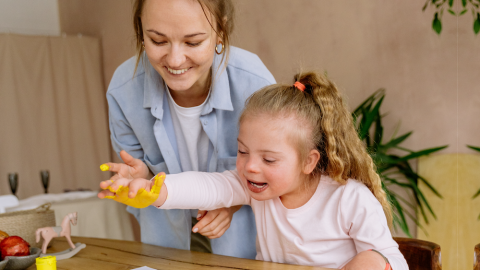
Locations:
(222, 11)
(323, 123)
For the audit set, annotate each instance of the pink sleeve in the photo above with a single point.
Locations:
(204, 191)
(364, 220)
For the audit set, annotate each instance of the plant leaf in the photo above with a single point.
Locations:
(378, 135)
(396, 141)
(450, 3)
(476, 148)
(425, 6)
(437, 24)
(422, 153)
(403, 221)
(462, 12)
(476, 24)
(476, 194)
(452, 12)
(370, 117)
(464, 3)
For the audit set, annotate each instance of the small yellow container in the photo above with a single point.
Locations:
(46, 263)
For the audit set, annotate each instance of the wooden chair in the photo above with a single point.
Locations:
(476, 257)
(420, 255)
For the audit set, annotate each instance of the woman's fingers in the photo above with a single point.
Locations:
(214, 224)
(201, 214)
(205, 221)
(218, 231)
(127, 158)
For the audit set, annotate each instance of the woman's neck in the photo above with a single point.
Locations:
(195, 96)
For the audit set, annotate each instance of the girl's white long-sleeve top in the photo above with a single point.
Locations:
(338, 222)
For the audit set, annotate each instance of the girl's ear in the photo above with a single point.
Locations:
(311, 161)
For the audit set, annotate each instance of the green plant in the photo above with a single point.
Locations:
(392, 168)
(441, 5)
(478, 191)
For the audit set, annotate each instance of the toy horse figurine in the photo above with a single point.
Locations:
(48, 233)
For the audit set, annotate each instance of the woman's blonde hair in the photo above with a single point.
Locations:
(323, 123)
(222, 11)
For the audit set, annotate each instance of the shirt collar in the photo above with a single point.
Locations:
(154, 88)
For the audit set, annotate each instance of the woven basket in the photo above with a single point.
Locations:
(25, 223)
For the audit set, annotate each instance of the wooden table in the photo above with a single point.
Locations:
(106, 254)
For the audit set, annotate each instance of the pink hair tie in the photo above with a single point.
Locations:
(300, 86)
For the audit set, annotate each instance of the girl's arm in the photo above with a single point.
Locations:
(205, 191)
(188, 190)
(363, 217)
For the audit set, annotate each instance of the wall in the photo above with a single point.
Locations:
(39, 17)
(109, 20)
(432, 87)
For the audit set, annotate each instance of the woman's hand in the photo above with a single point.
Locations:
(215, 223)
(367, 260)
(138, 193)
(132, 168)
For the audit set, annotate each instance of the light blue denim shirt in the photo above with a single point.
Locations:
(141, 124)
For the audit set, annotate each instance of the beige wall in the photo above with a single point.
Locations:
(432, 81)
(432, 87)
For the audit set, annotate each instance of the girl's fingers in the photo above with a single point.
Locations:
(104, 193)
(105, 184)
(136, 185)
(113, 186)
(116, 177)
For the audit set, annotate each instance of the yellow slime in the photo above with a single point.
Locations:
(143, 198)
(104, 167)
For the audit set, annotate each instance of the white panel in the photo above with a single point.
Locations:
(33, 17)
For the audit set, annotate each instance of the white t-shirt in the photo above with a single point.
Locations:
(192, 141)
(337, 223)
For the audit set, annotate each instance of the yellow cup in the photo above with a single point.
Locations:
(46, 263)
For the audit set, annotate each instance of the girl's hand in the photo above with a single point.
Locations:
(215, 223)
(132, 168)
(138, 193)
(367, 260)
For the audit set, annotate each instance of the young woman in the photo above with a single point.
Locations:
(174, 108)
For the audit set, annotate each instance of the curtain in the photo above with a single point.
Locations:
(53, 113)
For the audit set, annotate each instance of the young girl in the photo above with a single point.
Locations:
(312, 186)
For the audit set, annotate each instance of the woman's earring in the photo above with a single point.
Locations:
(216, 48)
(143, 44)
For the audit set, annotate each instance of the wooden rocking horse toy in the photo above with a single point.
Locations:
(64, 230)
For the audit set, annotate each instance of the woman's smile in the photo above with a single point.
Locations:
(177, 71)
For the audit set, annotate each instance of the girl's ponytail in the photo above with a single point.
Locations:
(343, 155)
